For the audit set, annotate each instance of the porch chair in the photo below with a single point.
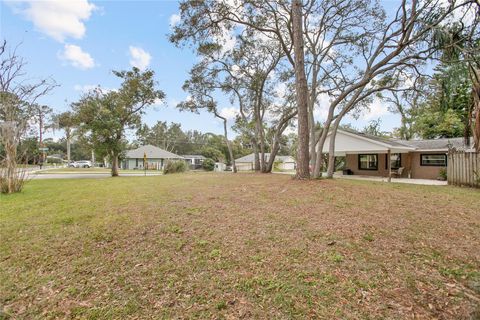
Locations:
(397, 173)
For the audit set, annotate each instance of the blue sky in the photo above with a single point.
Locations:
(79, 43)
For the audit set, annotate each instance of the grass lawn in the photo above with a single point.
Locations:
(91, 170)
(214, 246)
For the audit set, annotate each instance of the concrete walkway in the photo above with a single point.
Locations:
(427, 182)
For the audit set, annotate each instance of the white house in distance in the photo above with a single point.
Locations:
(195, 161)
(247, 163)
(156, 158)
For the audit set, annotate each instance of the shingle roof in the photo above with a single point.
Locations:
(436, 144)
(427, 144)
(251, 158)
(391, 142)
(193, 156)
(152, 152)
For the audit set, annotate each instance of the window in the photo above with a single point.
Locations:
(368, 161)
(439, 160)
(396, 160)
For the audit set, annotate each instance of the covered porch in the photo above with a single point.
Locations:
(372, 156)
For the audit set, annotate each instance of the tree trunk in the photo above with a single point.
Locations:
(301, 88)
(229, 146)
(319, 158)
(271, 160)
(260, 137)
(68, 150)
(255, 155)
(331, 149)
(41, 140)
(114, 165)
(313, 154)
(11, 166)
(476, 111)
(311, 119)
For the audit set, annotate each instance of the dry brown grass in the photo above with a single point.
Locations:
(239, 246)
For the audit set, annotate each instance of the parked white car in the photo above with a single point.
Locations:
(72, 164)
(81, 164)
(84, 164)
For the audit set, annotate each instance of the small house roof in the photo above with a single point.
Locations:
(151, 152)
(193, 156)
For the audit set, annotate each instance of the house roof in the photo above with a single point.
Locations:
(387, 141)
(251, 158)
(152, 152)
(350, 141)
(193, 156)
(436, 144)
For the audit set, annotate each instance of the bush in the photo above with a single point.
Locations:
(54, 160)
(12, 180)
(176, 166)
(442, 175)
(208, 164)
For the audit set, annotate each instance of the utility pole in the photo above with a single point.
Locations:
(40, 123)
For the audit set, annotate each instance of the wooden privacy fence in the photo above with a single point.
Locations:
(463, 168)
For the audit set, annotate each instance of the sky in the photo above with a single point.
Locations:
(79, 42)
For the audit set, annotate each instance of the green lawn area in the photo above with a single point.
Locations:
(90, 170)
(225, 246)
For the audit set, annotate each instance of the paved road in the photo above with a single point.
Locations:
(85, 175)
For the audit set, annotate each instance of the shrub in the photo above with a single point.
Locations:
(276, 166)
(54, 160)
(174, 166)
(12, 180)
(208, 164)
(442, 175)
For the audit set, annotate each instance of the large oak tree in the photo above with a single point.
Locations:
(104, 116)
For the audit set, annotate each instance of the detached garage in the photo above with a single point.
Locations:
(247, 163)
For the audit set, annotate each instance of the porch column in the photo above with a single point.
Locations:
(389, 165)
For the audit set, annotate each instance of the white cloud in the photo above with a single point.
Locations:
(139, 58)
(91, 87)
(158, 102)
(77, 57)
(58, 19)
(229, 113)
(375, 110)
(321, 109)
(174, 20)
(84, 88)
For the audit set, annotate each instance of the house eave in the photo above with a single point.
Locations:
(385, 145)
(431, 150)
